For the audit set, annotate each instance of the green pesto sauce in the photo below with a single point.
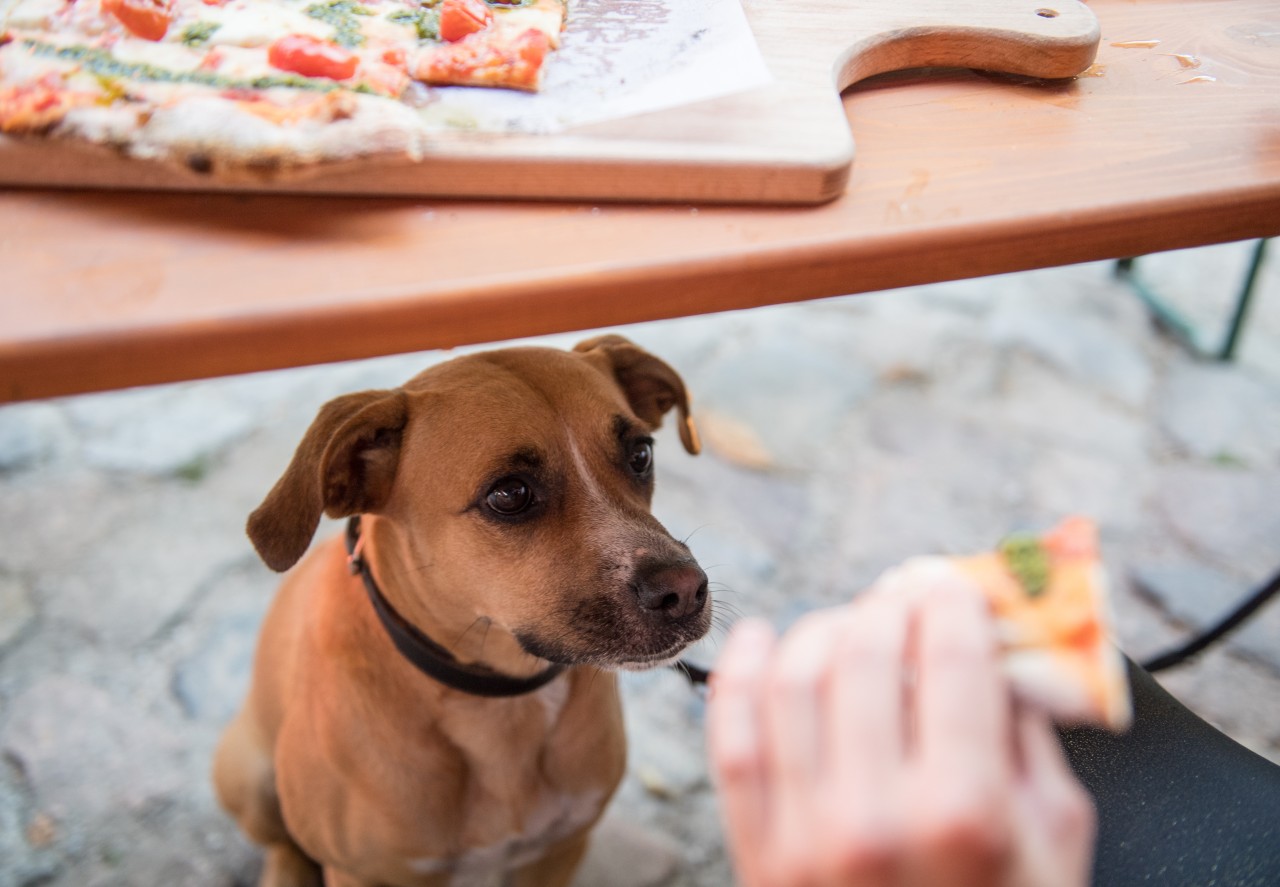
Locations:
(342, 14)
(424, 20)
(425, 17)
(1027, 561)
(103, 65)
(199, 33)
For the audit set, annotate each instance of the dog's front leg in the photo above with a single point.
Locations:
(287, 866)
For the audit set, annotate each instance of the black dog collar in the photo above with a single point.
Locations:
(426, 655)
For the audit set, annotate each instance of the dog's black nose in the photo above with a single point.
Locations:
(675, 591)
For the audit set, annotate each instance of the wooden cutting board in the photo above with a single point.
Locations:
(786, 142)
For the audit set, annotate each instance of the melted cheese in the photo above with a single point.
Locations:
(29, 14)
(173, 56)
(261, 24)
(546, 16)
(241, 63)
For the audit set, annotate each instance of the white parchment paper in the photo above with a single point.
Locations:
(619, 58)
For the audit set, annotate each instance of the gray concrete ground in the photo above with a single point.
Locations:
(843, 436)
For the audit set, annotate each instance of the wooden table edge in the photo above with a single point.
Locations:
(540, 304)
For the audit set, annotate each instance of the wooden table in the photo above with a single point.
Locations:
(958, 174)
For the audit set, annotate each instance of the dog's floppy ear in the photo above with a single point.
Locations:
(650, 385)
(344, 465)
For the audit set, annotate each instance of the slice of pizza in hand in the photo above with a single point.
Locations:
(1049, 597)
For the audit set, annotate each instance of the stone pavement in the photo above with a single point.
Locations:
(843, 436)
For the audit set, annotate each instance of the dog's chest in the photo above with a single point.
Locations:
(515, 808)
(554, 817)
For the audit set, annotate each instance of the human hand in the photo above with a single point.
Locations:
(878, 744)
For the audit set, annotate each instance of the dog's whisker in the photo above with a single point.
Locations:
(728, 615)
(722, 620)
(720, 606)
(692, 533)
(415, 569)
(487, 622)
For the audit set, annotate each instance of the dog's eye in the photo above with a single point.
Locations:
(509, 496)
(641, 458)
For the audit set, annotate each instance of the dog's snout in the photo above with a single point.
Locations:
(674, 591)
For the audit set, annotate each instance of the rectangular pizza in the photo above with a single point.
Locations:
(258, 83)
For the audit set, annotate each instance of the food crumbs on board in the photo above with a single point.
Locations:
(1136, 44)
(1201, 78)
(1186, 61)
(1097, 69)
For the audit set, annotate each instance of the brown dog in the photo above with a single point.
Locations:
(507, 546)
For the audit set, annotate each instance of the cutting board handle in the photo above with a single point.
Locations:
(850, 41)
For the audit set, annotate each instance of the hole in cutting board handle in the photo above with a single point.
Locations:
(1044, 12)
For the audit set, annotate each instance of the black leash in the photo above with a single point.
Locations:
(1231, 621)
(696, 675)
(425, 654)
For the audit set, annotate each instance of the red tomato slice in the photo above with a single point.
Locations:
(312, 57)
(1075, 537)
(533, 46)
(148, 19)
(458, 18)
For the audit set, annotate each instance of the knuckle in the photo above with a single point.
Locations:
(955, 651)
(792, 866)
(738, 763)
(790, 679)
(868, 652)
(861, 854)
(1076, 816)
(975, 834)
(729, 680)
